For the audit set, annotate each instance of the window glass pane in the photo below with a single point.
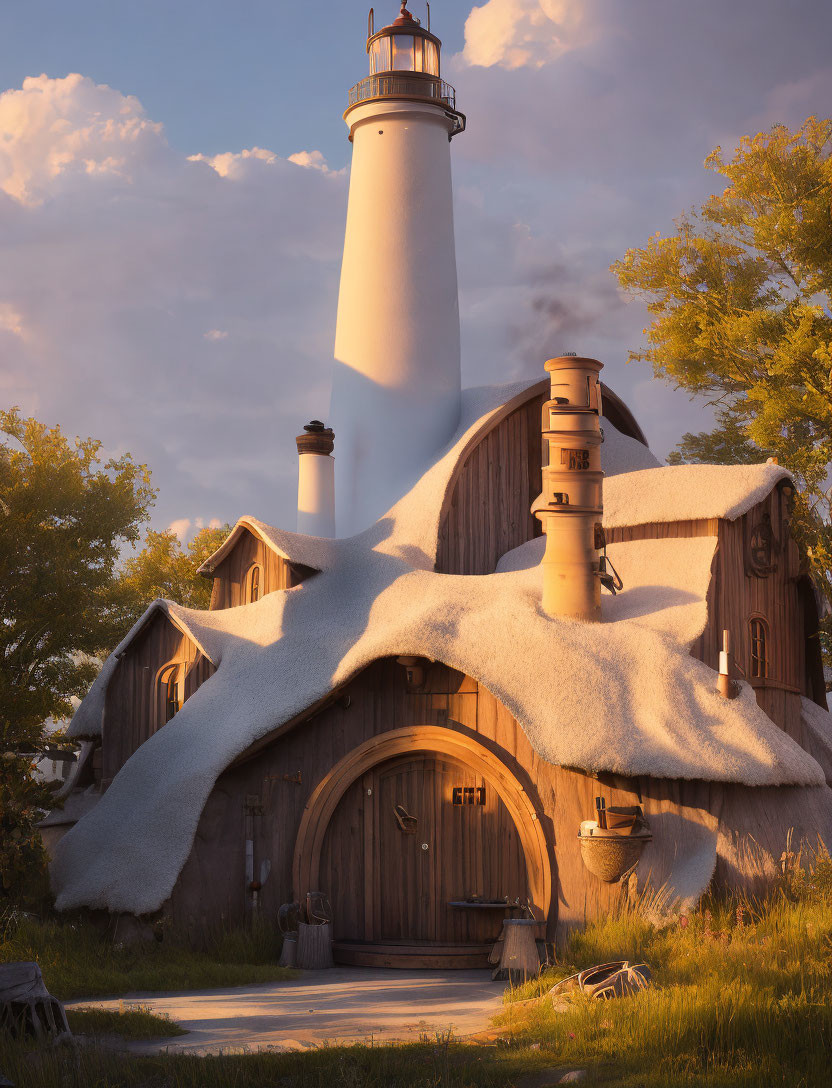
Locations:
(402, 52)
(431, 58)
(380, 56)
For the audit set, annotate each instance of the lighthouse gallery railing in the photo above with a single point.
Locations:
(397, 84)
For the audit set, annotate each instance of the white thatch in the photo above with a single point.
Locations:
(630, 698)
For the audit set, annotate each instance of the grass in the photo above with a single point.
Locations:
(742, 993)
(78, 960)
(440, 1063)
(128, 1021)
(741, 998)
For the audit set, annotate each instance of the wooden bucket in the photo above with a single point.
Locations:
(609, 854)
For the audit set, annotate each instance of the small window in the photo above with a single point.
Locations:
(252, 587)
(758, 634)
(170, 698)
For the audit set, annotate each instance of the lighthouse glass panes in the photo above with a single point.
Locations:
(404, 53)
(380, 56)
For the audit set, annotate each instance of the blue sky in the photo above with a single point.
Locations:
(171, 290)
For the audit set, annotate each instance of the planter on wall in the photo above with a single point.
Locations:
(610, 855)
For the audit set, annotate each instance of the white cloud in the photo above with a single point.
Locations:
(11, 320)
(123, 265)
(180, 528)
(233, 163)
(313, 159)
(524, 33)
(70, 127)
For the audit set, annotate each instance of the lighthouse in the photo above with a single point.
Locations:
(396, 383)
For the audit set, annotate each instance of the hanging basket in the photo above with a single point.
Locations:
(610, 855)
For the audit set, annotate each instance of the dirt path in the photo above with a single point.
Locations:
(350, 1004)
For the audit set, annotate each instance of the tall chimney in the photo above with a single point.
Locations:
(396, 383)
(571, 505)
(316, 480)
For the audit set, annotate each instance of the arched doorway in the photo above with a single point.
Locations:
(411, 821)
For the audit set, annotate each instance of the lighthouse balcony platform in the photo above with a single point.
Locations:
(404, 85)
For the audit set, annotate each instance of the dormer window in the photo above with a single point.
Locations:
(169, 691)
(252, 584)
(759, 642)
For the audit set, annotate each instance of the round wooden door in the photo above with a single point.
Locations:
(410, 837)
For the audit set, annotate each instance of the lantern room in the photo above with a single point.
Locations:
(405, 63)
(404, 46)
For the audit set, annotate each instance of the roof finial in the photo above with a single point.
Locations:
(405, 16)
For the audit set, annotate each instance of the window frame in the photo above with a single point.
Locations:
(169, 681)
(759, 647)
(253, 580)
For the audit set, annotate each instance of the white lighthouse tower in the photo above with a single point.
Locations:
(396, 385)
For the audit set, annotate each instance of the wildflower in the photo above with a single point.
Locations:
(740, 917)
(683, 921)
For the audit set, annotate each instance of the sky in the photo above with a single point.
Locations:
(173, 187)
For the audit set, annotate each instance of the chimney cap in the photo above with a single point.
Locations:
(317, 438)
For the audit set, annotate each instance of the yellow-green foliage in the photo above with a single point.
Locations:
(78, 960)
(128, 1021)
(740, 299)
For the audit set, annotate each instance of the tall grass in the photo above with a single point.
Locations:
(78, 960)
(742, 989)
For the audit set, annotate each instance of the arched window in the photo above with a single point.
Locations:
(759, 642)
(252, 585)
(169, 697)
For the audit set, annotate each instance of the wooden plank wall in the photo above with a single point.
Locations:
(132, 712)
(230, 575)
(211, 886)
(488, 512)
(488, 508)
(736, 594)
(688, 818)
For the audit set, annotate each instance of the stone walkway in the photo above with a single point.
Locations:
(345, 1004)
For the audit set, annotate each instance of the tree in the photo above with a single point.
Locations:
(64, 516)
(163, 569)
(741, 301)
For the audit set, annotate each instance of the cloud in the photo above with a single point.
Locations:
(524, 33)
(167, 305)
(11, 320)
(232, 164)
(180, 528)
(70, 128)
(314, 160)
